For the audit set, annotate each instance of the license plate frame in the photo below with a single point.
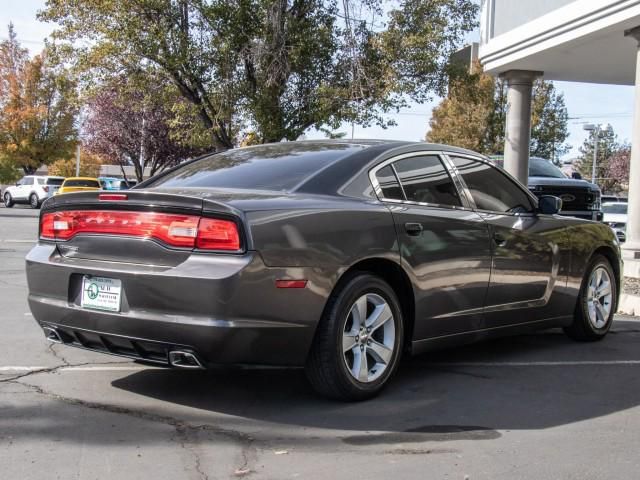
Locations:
(101, 293)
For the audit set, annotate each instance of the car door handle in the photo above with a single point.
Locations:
(499, 240)
(413, 229)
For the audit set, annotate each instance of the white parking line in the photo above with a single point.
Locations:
(21, 369)
(568, 363)
(137, 368)
(17, 241)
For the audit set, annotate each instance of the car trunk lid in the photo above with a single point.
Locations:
(141, 227)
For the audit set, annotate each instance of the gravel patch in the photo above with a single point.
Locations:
(631, 286)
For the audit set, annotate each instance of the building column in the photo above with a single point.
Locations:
(631, 248)
(518, 125)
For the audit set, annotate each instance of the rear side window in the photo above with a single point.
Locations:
(490, 188)
(389, 184)
(82, 183)
(278, 167)
(424, 179)
(41, 181)
(56, 182)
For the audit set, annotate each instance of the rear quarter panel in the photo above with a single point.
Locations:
(327, 234)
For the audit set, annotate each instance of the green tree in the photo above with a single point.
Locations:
(473, 116)
(549, 122)
(273, 67)
(38, 107)
(608, 147)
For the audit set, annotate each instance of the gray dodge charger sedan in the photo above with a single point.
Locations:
(339, 256)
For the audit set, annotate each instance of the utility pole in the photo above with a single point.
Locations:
(78, 160)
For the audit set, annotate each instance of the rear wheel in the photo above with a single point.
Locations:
(33, 201)
(358, 343)
(8, 200)
(596, 304)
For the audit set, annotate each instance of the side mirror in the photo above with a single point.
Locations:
(576, 176)
(549, 205)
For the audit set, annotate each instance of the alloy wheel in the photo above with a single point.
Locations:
(599, 297)
(368, 338)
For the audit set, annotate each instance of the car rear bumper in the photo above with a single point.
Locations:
(225, 309)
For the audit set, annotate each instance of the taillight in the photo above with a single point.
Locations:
(214, 234)
(46, 189)
(174, 230)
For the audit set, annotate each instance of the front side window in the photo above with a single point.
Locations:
(491, 189)
(424, 179)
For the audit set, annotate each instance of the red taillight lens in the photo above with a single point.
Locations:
(183, 231)
(46, 189)
(216, 234)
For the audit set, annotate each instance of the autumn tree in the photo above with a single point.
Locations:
(136, 120)
(274, 67)
(473, 115)
(618, 168)
(38, 108)
(90, 164)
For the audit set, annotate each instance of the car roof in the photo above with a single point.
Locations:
(81, 178)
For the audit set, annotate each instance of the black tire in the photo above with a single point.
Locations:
(326, 366)
(8, 200)
(582, 329)
(34, 202)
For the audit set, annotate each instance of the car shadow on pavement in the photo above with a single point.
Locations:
(527, 382)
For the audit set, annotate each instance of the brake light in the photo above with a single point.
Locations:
(174, 230)
(112, 197)
(46, 189)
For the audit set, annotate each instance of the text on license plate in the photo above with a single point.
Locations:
(101, 293)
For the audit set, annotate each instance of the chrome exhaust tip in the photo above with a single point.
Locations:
(52, 335)
(182, 359)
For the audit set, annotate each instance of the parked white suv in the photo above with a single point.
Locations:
(32, 190)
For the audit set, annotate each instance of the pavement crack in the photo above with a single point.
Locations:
(58, 355)
(184, 430)
(53, 369)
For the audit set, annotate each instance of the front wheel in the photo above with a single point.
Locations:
(596, 303)
(8, 201)
(359, 340)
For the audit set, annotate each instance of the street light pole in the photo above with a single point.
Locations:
(597, 131)
(595, 155)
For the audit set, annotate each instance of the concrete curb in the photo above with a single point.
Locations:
(629, 304)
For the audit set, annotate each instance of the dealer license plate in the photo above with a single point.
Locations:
(101, 293)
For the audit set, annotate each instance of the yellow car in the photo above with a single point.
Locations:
(79, 184)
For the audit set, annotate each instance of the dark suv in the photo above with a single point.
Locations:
(579, 198)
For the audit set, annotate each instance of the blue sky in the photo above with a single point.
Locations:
(586, 103)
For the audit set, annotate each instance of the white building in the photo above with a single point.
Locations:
(592, 41)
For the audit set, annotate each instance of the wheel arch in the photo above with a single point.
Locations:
(392, 273)
(610, 254)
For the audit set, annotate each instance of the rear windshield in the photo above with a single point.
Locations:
(56, 182)
(614, 208)
(82, 183)
(277, 167)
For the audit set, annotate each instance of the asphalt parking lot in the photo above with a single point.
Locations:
(531, 407)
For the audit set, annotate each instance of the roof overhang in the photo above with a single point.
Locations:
(583, 41)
